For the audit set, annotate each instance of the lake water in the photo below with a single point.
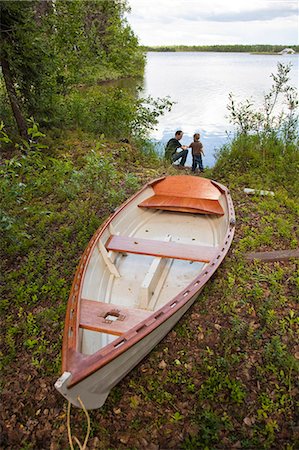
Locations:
(200, 84)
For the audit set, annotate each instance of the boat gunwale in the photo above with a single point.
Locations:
(81, 366)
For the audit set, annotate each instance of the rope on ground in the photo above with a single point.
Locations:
(69, 431)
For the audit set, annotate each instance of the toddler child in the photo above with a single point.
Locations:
(197, 152)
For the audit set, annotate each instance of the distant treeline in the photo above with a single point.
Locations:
(222, 48)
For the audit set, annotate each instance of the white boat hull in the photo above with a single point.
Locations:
(140, 273)
(94, 390)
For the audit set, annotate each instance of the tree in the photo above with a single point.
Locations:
(27, 60)
(111, 36)
(94, 36)
(48, 46)
(11, 16)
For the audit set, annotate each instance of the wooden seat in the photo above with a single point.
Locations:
(183, 204)
(183, 193)
(162, 249)
(187, 186)
(108, 318)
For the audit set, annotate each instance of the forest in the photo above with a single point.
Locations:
(260, 48)
(50, 49)
(73, 147)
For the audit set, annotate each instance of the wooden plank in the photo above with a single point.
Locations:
(93, 317)
(278, 255)
(183, 204)
(162, 249)
(110, 264)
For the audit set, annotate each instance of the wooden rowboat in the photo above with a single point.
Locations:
(140, 273)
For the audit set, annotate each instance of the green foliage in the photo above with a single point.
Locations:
(85, 41)
(50, 207)
(3, 135)
(92, 37)
(264, 152)
(28, 49)
(210, 424)
(217, 385)
(113, 112)
(31, 177)
(52, 46)
(263, 121)
(263, 162)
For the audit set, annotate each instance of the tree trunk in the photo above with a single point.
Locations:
(21, 122)
(42, 8)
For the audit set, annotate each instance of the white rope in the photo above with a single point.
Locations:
(69, 431)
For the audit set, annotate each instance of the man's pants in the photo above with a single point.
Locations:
(183, 155)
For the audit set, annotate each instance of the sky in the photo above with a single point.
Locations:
(208, 22)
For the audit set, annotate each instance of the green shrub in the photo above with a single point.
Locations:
(113, 112)
(264, 161)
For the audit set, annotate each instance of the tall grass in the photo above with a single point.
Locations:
(266, 162)
(265, 149)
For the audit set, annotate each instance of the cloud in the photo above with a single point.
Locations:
(261, 15)
(208, 22)
(212, 10)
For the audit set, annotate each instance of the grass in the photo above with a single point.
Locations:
(225, 377)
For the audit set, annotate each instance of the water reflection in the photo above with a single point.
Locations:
(133, 85)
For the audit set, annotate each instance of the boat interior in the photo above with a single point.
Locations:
(148, 254)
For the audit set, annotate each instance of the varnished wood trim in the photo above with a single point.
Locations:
(183, 204)
(81, 367)
(93, 317)
(126, 244)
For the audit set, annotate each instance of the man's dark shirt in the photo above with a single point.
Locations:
(171, 147)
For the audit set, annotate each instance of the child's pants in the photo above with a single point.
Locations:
(196, 161)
